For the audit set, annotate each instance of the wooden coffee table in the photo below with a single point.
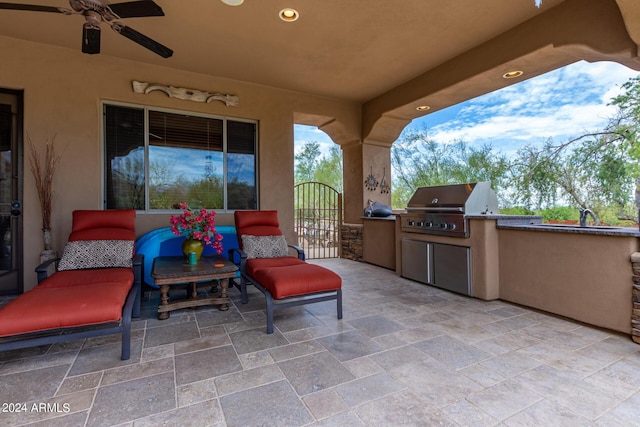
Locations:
(170, 271)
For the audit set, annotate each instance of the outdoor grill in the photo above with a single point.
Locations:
(443, 210)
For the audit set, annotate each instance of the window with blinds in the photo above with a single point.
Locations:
(156, 159)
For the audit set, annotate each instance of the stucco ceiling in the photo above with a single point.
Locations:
(344, 49)
(358, 50)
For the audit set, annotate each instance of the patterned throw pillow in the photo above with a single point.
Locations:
(83, 254)
(264, 246)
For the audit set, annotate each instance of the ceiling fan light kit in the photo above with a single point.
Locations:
(90, 39)
(95, 12)
(233, 2)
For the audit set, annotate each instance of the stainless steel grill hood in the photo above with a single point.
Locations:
(470, 199)
(444, 209)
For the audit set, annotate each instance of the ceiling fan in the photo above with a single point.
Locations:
(96, 12)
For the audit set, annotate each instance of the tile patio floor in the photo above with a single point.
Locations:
(404, 354)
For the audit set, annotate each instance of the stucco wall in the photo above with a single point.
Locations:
(580, 276)
(63, 90)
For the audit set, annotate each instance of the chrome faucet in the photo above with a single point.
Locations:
(583, 216)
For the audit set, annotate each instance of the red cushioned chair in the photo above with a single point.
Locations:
(95, 290)
(285, 280)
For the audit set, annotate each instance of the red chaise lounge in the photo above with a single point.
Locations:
(95, 290)
(284, 280)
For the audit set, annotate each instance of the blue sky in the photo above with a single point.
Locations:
(561, 104)
(240, 166)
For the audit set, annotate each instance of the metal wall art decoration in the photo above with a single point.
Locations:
(371, 183)
(384, 187)
(186, 94)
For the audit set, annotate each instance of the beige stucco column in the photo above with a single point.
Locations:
(359, 161)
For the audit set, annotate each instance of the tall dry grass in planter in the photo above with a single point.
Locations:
(43, 170)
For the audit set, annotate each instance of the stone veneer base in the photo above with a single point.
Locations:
(351, 237)
(635, 298)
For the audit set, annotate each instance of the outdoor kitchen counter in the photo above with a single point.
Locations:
(378, 246)
(583, 273)
(574, 229)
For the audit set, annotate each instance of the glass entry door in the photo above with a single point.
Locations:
(10, 192)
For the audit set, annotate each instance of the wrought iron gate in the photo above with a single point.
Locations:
(318, 216)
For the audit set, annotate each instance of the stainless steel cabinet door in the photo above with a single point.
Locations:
(452, 268)
(416, 260)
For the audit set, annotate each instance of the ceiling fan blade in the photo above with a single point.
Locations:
(136, 9)
(142, 40)
(31, 7)
(90, 39)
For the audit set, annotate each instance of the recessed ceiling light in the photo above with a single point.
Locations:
(512, 74)
(422, 107)
(289, 15)
(233, 2)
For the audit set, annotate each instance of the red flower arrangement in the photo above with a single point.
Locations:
(197, 225)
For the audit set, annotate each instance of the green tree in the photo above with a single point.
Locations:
(312, 165)
(418, 161)
(627, 127)
(329, 169)
(306, 162)
(593, 171)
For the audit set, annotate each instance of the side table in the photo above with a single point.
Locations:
(170, 271)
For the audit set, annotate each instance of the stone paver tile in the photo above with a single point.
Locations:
(376, 325)
(466, 414)
(547, 413)
(171, 333)
(368, 388)
(362, 367)
(452, 352)
(325, 404)
(254, 406)
(195, 392)
(200, 414)
(38, 384)
(440, 386)
(256, 359)
(204, 364)
(569, 390)
(249, 378)
(295, 350)
(139, 370)
(253, 340)
(315, 372)
(343, 419)
(72, 419)
(155, 353)
(504, 400)
(79, 383)
(127, 401)
(103, 357)
(350, 345)
(403, 408)
(204, 343)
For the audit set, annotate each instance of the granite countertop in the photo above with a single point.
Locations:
(525, 219)
(576, 229)
(378, 218)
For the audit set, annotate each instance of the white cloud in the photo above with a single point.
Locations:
(562, 104)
